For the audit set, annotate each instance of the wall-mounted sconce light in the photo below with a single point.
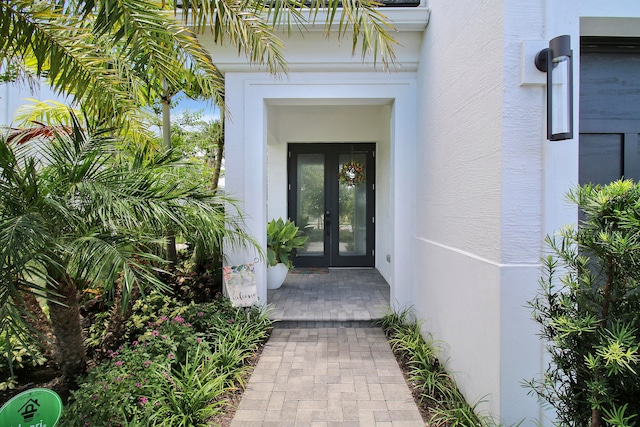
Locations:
(557, 62)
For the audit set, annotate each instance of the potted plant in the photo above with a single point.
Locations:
(282, 238)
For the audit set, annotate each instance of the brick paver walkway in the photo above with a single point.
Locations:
(320, 371)
(330, 295)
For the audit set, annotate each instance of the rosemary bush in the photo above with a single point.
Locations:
(588, 309)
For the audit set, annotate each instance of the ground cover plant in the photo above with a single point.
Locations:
(434, 389)
(588, 307)
(175, 369)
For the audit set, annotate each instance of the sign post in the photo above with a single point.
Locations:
(38, 407)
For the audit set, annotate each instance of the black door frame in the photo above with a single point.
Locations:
(331, 152)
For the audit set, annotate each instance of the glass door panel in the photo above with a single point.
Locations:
(352, 207)
(310, 202)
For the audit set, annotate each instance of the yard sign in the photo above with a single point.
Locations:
(38, 407)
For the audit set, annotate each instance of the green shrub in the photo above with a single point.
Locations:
(436, 387)
(174, 371)
(118, 390)
(22, 354)
(148, 310)
(187, 397)
(588, 309)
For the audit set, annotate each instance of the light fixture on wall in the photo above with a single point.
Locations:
(559, 87)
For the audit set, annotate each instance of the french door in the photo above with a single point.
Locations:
(333, 203)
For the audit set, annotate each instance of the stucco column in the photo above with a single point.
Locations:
(403, 191)
(245, 173)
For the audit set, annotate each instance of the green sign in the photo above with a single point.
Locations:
(38, 407)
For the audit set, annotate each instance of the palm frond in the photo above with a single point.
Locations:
(369, 28)
(240, 23)
(111, 258)
(63, 49)
(160, 46)
(361, 19)
(48, 112)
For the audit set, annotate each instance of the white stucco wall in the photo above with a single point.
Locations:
(459, 190)
(490, 186)
(480, 198)
(312, 50)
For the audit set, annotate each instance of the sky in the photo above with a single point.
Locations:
(208, 110)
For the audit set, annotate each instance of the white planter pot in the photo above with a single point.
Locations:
(276, 275)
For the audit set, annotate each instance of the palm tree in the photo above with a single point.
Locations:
(77, 214)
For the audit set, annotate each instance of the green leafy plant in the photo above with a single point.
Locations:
(187, 392)
(456, 412)
(22, 354)
(283, 237)
(436, 388)
(588, 308)
(126, 378)
(181, 359)
(147, 311)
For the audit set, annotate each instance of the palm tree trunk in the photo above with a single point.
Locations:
(172, 255)
(217, 164)
(64, 313)
(119, 313)
(38, 320)
(218, 152)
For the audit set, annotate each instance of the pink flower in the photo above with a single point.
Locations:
(171, 356)
(119, 363)
(198, 340)
(155, 333)
(200, 314)
(178, 319)
(143, 401)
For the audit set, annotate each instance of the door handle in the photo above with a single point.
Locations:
(327, 222)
